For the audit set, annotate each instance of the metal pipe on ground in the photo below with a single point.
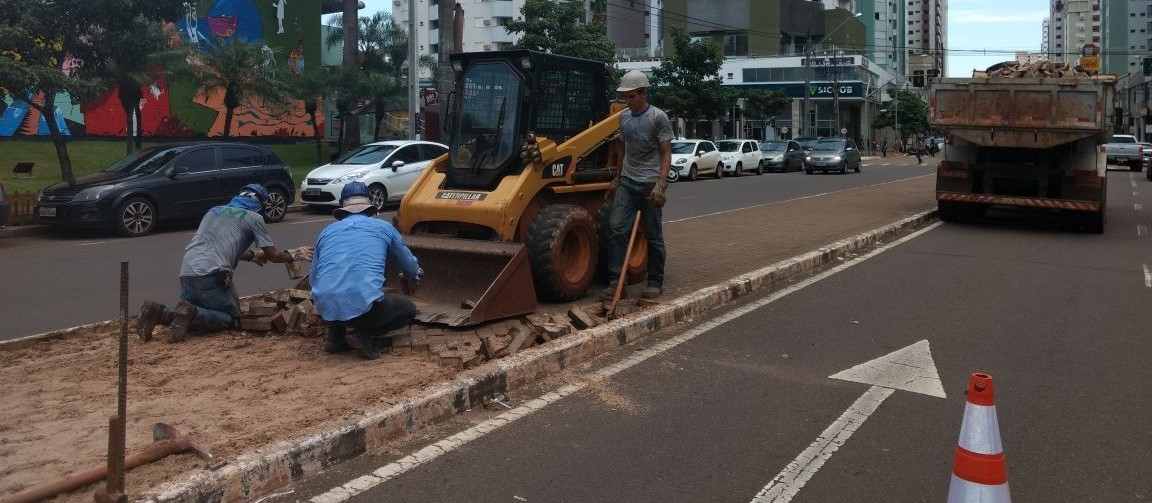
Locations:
(168, 441)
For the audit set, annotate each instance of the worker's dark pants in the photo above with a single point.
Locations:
(390, 313)
(217, 307)
(630, 197)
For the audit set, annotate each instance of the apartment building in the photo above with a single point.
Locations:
(926, 37)
(1074, 24)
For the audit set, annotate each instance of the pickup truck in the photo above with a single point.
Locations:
(1125, 150)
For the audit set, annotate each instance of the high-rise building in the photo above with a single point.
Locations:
(1072, 25)
(926, 37)
(1125, 35)
(884, 22)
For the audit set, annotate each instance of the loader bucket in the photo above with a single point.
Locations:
(467, 282)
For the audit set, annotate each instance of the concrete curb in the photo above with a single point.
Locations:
(264, 470)
(20, 231)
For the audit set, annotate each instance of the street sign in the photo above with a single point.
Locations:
(843, 130)
(784, 129)
(1090, 57)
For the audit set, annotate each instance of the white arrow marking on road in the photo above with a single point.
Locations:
(909, 369)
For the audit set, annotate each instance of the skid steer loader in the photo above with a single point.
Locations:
(515, 210)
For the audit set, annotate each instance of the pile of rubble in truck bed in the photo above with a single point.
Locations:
(1036, 70)
(291, 312)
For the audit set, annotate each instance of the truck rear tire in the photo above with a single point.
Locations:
(949, 210)
(1094, 222)
(1136, 166)
(562, 251)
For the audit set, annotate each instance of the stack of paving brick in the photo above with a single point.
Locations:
(282, 312)
(1035, 70)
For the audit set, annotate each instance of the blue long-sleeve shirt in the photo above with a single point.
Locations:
(348, 266)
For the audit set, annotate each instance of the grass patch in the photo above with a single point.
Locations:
(89, 156)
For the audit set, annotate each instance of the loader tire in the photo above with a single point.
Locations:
(637, 263)
(562, 251)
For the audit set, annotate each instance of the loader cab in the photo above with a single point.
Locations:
(502, 96)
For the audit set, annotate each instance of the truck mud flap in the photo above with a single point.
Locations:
(468, 282)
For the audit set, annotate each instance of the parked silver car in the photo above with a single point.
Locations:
(740, 155)
(833, 154)
(782, 155)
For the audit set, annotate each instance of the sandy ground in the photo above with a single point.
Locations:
(248, 392)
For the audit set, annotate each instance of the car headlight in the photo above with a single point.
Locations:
(355, 175)
(836, 158)
(727, 157)
(680, 161)
(808, 158)
(778, 157)
(93, 194)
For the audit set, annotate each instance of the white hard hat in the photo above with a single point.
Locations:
(632, 81)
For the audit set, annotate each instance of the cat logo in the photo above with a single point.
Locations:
(558, 168)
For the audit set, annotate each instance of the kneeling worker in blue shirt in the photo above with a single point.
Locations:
(348, 275)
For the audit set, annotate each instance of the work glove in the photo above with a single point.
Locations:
(302, 253)
(410, 284)
(255, 256)
(611, 192)
(658, 197)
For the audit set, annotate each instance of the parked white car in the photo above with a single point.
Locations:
(388, 168)
(691, 158)
(740, 155)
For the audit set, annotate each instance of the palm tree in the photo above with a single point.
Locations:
(235, 68)
(310, 88)
(382, 54)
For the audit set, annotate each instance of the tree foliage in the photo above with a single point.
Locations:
(906, 112)
(560, 28)
(237, 69)
(688, 85)
(382, 54)
(763, 104)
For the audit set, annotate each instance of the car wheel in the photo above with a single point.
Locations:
(692, 174)
(136, 217)
(807, 171)
(739, 169)
(858, 165)
(379, 195)
(760, 168)
(673, 175)
(276, 207)
(844, 168)
(719, 171)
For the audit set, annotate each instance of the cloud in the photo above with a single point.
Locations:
(972, 16)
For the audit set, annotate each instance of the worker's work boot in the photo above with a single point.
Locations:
(608, 293)
(151, 314)
(185, 312)
(335, 342)
(654, 290)
(366, 346)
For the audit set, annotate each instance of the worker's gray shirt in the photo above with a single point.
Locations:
(225, 233)
(642, 136)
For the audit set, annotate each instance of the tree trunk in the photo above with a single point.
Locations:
(130, 103)
(446, 78)
(228, 122)
(311, 109)
(48, 111)
(351, 44)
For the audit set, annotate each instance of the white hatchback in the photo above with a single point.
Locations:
(388, 168)
(740, 155)
(690, 158)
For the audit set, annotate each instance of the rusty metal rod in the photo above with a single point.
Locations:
(118, 435)
(624, 266)
(153, 453)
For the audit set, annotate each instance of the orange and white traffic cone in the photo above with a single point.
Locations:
(979, 474)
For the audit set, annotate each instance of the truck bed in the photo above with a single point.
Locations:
(1028, 113)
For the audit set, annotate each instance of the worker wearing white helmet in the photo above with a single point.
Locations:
(641, 182)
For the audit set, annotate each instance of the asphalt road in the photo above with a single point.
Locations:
(1059, 319)
(62, 280)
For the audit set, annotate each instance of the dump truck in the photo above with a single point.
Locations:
(1025, 138)
(514, 212)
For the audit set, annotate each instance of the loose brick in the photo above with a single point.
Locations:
(259, 308)
(582, 319)
(299, 295)
(257, 323)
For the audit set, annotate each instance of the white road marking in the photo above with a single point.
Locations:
(1138, 206)
(92, 243)
(329, 219)
(1135, 193)
(1147, 276)
(447, 445)
(796, 199)
(1141, 230)
(789, 482)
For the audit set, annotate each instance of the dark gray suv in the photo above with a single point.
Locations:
(167, 183)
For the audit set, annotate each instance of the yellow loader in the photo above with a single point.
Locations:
(515, 210)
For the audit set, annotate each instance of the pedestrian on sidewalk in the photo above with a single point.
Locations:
(933, 148)
(918, 147)
(348, 276)
(884, 147)
(208, 296)
(641, 183)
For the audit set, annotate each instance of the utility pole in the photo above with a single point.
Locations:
(413, 77)
(803, 130)
(835, 90)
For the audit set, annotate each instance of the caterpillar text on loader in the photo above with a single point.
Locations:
(515, 210)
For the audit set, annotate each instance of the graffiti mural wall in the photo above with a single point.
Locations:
(289, 34)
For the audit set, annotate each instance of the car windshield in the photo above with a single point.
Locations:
(367, 154)
(146, 161)
(728, 146)
(683, 148)
(771, 146)
(829, 146)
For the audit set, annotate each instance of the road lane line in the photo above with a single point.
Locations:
(450, 444)
(796, 199)
(92, 243)
(329, 219)
(1138, 206)
(789, 482)
(1147, 276)
(1141, 230)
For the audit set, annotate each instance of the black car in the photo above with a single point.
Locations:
(3, 206)
(165, 184)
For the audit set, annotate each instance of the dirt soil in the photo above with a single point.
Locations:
(57, 423)
(233, 393)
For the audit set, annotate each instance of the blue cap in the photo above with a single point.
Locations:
(255, 191)
(354, 189)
